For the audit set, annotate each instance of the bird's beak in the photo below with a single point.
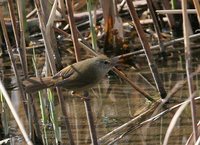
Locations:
(114, 61)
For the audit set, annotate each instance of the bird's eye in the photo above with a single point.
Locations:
(106, 62)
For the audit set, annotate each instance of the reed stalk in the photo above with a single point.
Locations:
(189, 68)
(22, 44)
(4, 115)
(46, 34)
(42, 104)
(73, 29)
(90, 118)
(53, 117)
(197, 8)
(132, 125)
(77, 54)
(156, 25)
(92, 29)
(146, 47)
(17, 118)
(12, 59)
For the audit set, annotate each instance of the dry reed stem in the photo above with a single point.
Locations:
(73, 29)
(129, 125)
(21, 41)
(132, 126)
(50, 56)
(197, 8)
(146, 47)
(21, 46)
(15, 115)
(13, 21)
(74, 36)
(174, 121)
(12, 59)
(154, 115)
(156, 24)
(172, 42)
(189, 69)
(177, 11)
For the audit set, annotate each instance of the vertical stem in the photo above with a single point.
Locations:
(92, 30)
(147, 50)
(155, 23)
(35, 120)
(170, 17)
(13, 21)
(22, 94)
(188, 68)
(22, 51)
(90, 119)
(76, 121)
(173, 3)
(22, 46)
(42, 104)
(50, 56)
(73, 29)
(51, 34)
(1, 42)
(12, 59)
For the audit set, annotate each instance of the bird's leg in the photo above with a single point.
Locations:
(86, 96)
(83, 97)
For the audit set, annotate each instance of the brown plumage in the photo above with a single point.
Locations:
(77, 77)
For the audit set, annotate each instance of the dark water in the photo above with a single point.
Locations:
(114, 102)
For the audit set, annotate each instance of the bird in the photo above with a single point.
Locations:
(79, 76)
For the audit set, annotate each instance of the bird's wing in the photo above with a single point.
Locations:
(66, 73)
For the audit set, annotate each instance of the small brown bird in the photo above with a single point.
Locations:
(76, 77)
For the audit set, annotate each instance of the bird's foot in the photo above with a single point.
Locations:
(83, 97)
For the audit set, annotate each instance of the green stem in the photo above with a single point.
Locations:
(92, 30)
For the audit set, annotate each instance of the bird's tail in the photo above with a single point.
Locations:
(34, 84)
